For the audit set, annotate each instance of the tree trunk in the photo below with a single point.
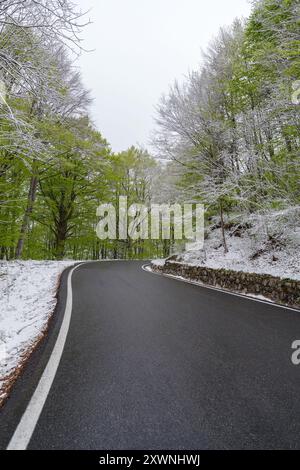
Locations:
(61, 237)
(223, 228)
(29, 208)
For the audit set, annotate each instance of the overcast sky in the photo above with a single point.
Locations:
(140, 48)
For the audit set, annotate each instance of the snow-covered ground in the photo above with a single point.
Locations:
(266, 244)
(27, 300)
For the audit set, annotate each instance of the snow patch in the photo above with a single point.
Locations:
(263, 244)
(158, 262)
(27, 300)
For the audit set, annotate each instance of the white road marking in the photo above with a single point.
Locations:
(147, 268)
(27, 424)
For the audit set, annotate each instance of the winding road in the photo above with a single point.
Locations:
(153, 363)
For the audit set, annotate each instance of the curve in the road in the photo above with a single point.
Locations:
(149, 363)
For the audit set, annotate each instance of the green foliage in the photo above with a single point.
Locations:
(233, 130)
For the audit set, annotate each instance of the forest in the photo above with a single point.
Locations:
(228, 137)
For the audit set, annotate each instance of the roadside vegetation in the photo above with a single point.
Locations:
(55, 167)
(228, 137)
(231, 132)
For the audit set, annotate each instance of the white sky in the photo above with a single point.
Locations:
(140, 48)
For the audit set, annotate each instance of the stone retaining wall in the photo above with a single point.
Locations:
(283, 291)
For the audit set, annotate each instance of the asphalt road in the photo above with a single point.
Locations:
(153, 363)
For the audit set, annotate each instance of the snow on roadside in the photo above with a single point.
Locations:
(278, 262)
(267, 244)
(158, 262)
(27, 300)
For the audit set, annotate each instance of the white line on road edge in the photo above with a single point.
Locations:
(26, 426)
(147, 268)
